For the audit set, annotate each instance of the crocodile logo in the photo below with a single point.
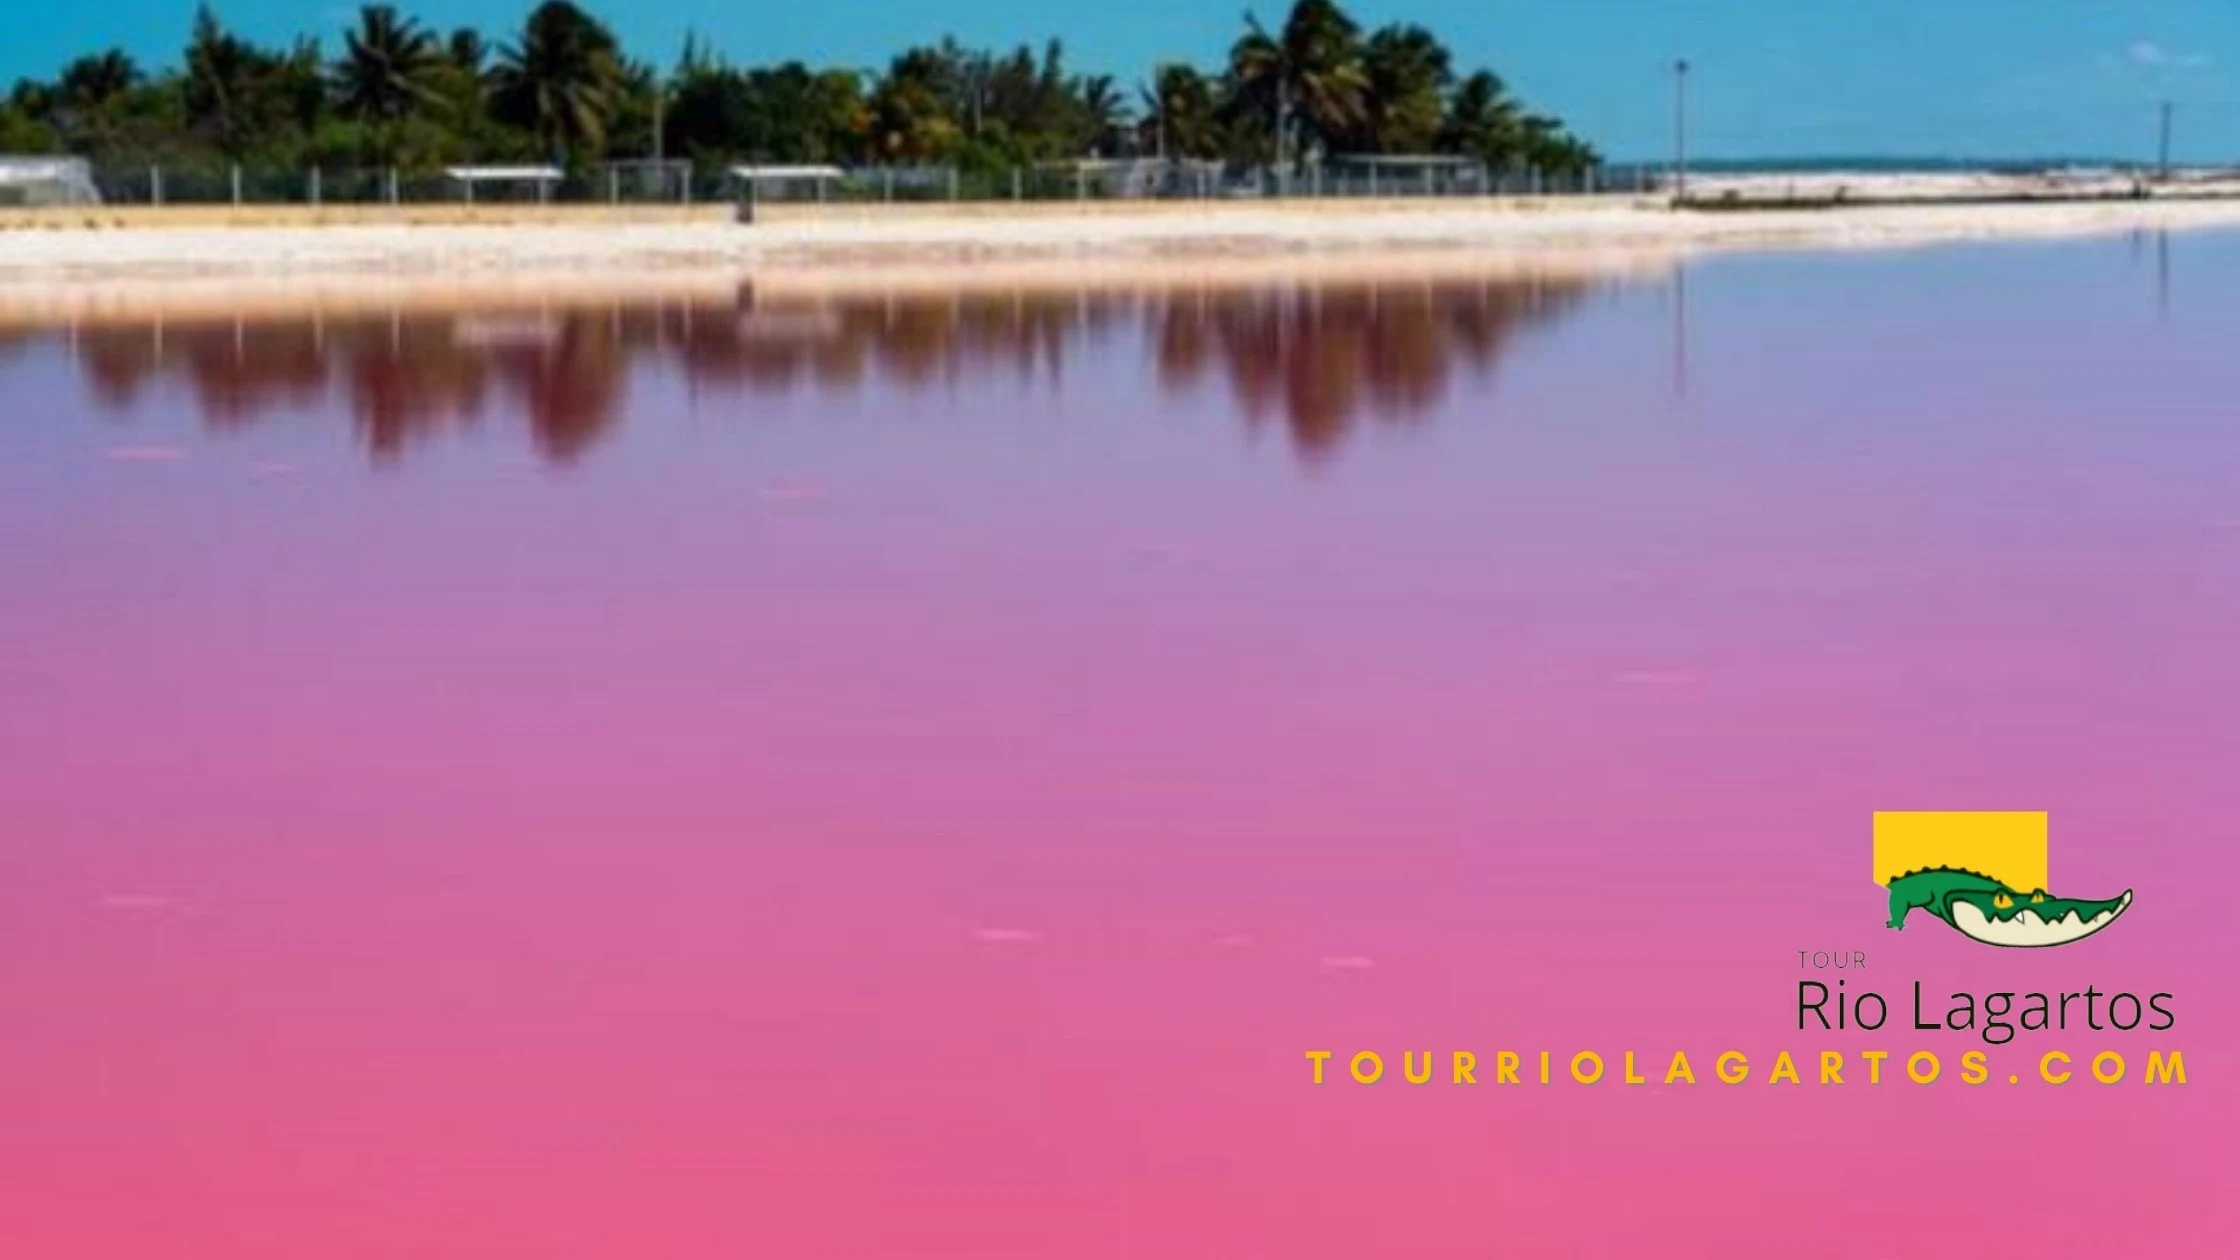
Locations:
(1985, 875)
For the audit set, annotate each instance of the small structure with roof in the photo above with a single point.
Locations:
(542, 178)
(776, 183)
(1398, 174)
(754, 184)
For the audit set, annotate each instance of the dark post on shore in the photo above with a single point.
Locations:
(2162, 153)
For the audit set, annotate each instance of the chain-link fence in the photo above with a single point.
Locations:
(650, 182)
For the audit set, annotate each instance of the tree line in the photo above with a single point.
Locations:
(398, 93)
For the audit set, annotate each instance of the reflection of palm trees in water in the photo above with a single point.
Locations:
(405, 377)
(1319, 358)
(1322, 357)
(401, 376)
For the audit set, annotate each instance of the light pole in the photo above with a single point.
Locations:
(1680, 131)
(2163, 162)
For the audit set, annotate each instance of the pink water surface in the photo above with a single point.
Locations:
(913, 779)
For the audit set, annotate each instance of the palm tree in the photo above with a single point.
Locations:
(561, 81)
(1546, 146)
(385, 70)
(1178, 114)
(1103, 114)
(1483, 121)
(228, 87)
(1306, 79)
(1408, 72)
(466, 51)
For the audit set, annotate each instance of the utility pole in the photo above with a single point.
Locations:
(1680, 131)
(2163, 162)
(1159, 104)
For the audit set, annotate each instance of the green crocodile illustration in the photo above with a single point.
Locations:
(1989, 911)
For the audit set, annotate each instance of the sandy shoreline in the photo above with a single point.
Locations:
(63, 272)
(186, 299)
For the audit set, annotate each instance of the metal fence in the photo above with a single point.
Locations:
(680, 183)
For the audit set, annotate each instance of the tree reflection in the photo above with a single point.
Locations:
(1317, 359)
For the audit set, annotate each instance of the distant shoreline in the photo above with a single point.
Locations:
(52, 263)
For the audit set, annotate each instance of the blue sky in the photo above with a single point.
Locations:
(1891, 77)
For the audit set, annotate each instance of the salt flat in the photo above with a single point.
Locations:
(129, 255)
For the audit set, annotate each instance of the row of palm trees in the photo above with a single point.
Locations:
(562, 80)
(1323, 86)
(561, 87)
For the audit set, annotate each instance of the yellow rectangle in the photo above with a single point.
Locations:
(2008, 847)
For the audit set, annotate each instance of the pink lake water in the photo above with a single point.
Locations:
(915, 777)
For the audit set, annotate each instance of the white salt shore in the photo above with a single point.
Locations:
(58, 268)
